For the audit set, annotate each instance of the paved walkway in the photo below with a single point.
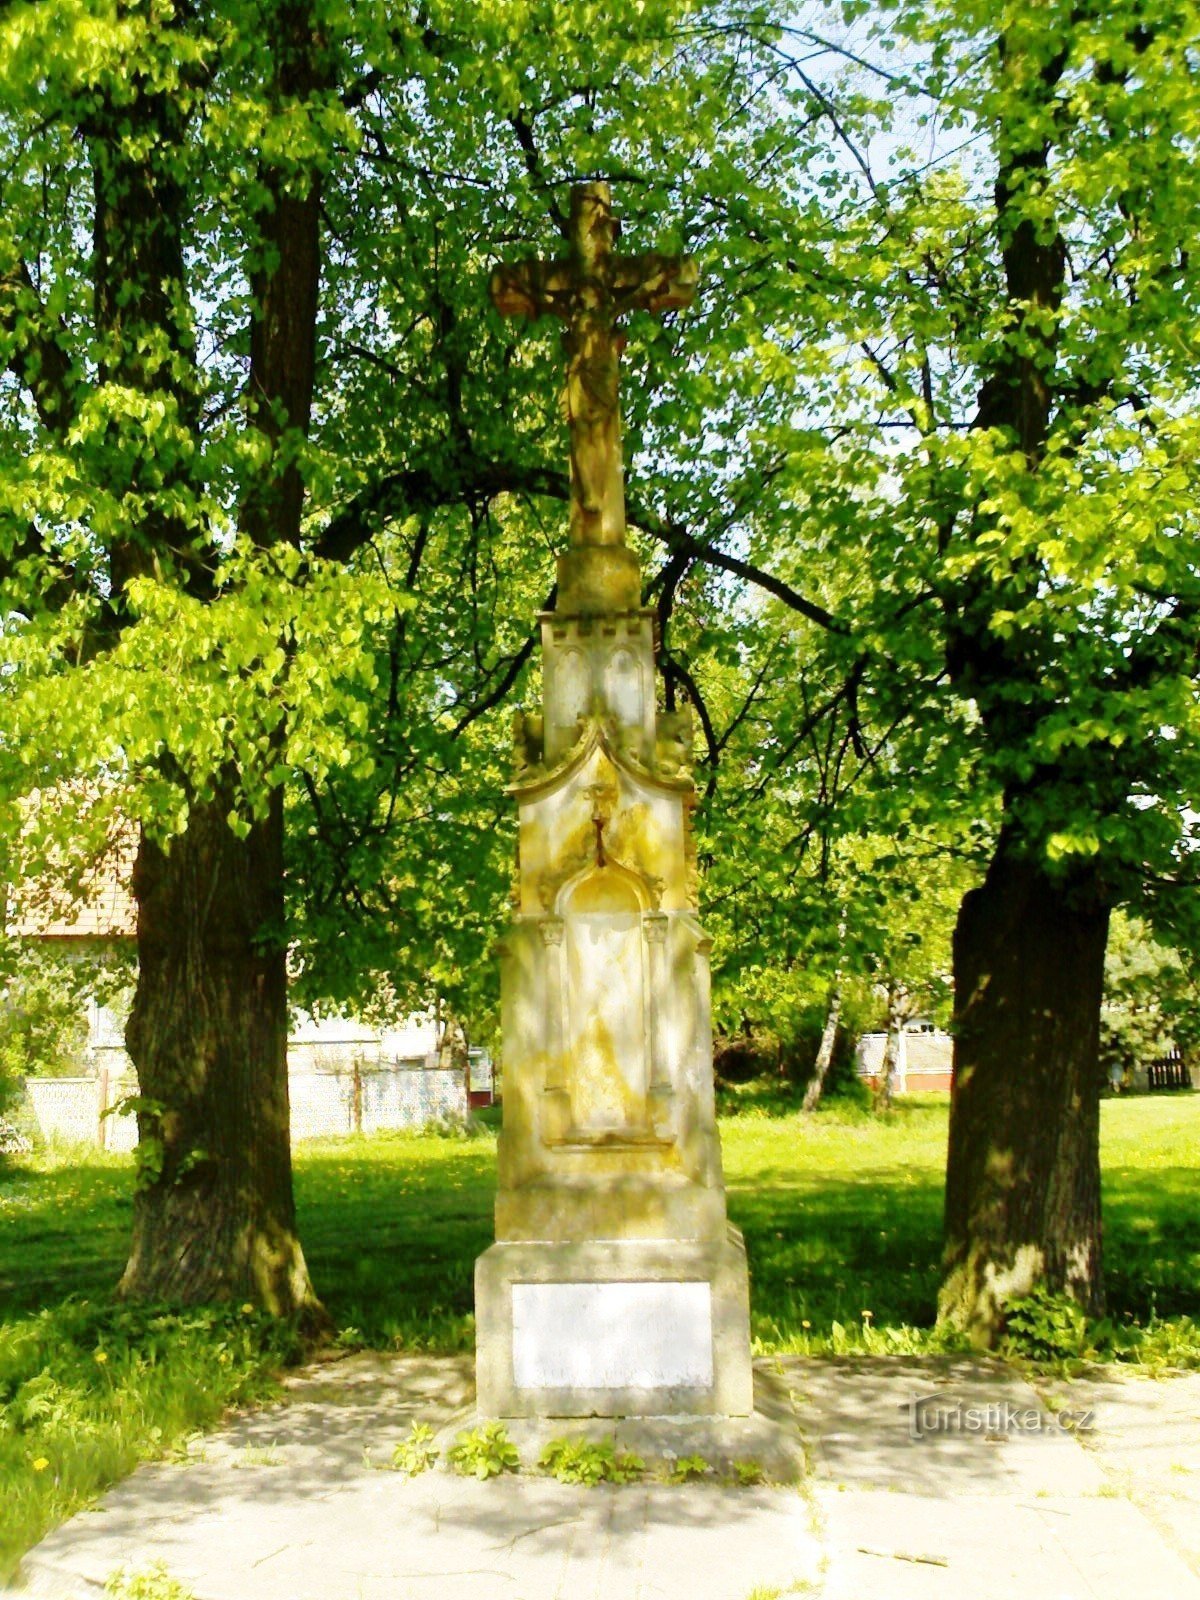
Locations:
(925, 1479)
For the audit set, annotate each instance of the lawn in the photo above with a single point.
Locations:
(841, 1215)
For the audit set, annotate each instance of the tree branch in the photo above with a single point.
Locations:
(507, 678)
(38, 361)
(466, 481)
(677, 670)
(679, 542)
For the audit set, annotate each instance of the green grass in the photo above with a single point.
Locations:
(842, 1217)
(91, 1389)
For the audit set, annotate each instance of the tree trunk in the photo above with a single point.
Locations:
(208, 1032)
(897, 1012)
(1023, 1172)
(208, 1037)
(816, 1083)
(453, 1047)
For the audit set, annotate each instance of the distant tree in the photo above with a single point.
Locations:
(45, 994)
(1151, 998)
(829, 1032)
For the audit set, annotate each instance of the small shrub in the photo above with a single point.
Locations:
(449, 1126)
(1045, 1326)
(685, 1468)
(12, 1141)
(416, 1454)
(747, 1473)
(484, 1452)
(581, 1461)
(1158, 1346)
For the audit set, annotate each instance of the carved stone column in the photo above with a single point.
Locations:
(659, 1091)
(616, 1286)
(556, 1096)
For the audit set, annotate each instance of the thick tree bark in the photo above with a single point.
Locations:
(1023, 1173)
(816, 1084)
(208, 1036)
(285, 274)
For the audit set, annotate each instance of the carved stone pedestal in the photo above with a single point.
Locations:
(616, 1286)
(613, 1328)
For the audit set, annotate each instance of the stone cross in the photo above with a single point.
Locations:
(590, 291)
(616, 1286)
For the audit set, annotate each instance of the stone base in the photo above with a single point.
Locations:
(613, 1328)
(598, 580)
(769, 1437)
(620, 1206)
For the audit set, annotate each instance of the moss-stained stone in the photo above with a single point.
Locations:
(610, 1167)
(610, 1189)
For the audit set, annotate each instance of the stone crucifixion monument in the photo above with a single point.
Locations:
(616, 1286)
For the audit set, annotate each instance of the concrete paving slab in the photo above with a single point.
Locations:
(961, 1478)
(384, 1537)
(1145, 1438)
(296, 1502)
(929, 1479)
(934, 1426)
(915, 1547)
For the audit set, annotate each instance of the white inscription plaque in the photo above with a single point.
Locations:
(612, 1335)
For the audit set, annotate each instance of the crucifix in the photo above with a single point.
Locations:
(590, 291)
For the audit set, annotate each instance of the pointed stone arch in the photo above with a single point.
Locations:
(607, 1012)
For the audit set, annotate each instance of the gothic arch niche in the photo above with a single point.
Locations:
(571, 689)
(623, 688)
(607, 1045)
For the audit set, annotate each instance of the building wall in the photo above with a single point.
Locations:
(369, 1099)
(314, 1044)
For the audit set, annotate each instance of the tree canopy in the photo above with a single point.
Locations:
(914, 483)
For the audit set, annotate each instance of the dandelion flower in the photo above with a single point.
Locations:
(100, 1357)
(40, 1464)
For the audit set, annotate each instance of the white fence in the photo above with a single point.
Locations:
(70, 1108)
(924, 1061)
(352, 1099)
(371, 1099)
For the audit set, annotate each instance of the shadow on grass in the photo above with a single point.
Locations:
(841, 1215)
(1152, 1242)
(391, 1228)
(829, 1254)
(63, 1231)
